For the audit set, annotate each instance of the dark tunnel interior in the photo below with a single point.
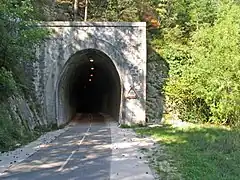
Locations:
(92, 84)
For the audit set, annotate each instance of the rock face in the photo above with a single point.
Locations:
(19, 116)
(156, 77)
(123, 43)
(24, 111)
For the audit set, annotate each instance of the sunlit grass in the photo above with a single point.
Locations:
(205, 152)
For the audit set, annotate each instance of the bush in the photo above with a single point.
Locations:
(206, 87)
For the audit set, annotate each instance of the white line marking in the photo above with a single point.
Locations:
(73, 152)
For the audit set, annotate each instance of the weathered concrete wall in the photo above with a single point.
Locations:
(124, 43)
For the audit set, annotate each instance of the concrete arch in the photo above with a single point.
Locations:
(123, 43)
(69, 74)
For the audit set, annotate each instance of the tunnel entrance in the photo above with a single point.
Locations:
(90, 83)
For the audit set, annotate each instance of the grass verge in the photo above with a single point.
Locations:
(192, 152)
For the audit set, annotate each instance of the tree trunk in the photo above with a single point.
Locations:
(86, 9)
(75, 9)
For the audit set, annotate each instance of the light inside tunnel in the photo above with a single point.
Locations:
(90, 84)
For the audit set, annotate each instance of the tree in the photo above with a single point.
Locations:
(17, 39)
(86, 10)
(75, 8)
(204, 76)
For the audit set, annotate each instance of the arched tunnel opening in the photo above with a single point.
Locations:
(90, 83)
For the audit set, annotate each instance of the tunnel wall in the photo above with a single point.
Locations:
(124, 43)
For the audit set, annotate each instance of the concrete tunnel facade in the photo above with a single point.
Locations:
(65, 83)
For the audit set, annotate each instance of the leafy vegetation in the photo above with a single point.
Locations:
(200, 42)
(193, 151)
(111, 10)
(19, 37)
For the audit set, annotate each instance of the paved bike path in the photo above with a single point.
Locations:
(78, 153)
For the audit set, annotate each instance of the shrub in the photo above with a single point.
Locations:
(206, 86)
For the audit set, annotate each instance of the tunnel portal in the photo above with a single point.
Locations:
(62, 71)
(90, 84)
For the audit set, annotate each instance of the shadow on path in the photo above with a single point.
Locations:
(75, 154)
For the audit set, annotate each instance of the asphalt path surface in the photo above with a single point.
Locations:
(81, 153)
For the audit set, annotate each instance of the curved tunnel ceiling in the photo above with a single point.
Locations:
(91, 84)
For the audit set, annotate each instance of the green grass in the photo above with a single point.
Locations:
(204, 152)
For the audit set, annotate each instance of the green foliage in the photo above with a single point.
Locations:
(107, 10)
(114, 10)
(7, 84)
(215, 67)
(18, 38)
(200, 41)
